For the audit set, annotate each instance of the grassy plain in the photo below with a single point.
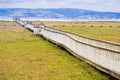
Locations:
(24, 56)
(109, 31)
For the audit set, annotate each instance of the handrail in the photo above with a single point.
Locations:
(115, 46)
(114, 43)
(81, 42)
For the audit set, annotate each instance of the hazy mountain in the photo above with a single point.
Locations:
(60, 13)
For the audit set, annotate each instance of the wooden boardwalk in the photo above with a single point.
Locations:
(101, 54)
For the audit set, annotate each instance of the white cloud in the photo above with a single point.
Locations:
(99, 5)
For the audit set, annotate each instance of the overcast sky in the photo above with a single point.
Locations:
(98, 5)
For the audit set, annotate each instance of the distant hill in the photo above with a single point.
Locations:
(59, 13)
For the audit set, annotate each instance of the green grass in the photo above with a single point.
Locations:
(90, 29)
(24, 56)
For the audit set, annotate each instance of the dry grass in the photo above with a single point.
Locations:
(10, 27)
(24, 56)
(109, 31)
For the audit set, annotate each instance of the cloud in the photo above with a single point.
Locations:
(99, 5)
(11, 1)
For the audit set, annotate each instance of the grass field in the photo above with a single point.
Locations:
(109, 31)
(24, 56)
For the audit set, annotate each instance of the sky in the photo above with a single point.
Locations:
(97, 5)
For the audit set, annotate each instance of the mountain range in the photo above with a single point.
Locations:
(58, 13)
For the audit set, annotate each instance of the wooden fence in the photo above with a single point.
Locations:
(101, 54)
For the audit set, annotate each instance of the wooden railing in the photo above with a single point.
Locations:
(101, 54)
